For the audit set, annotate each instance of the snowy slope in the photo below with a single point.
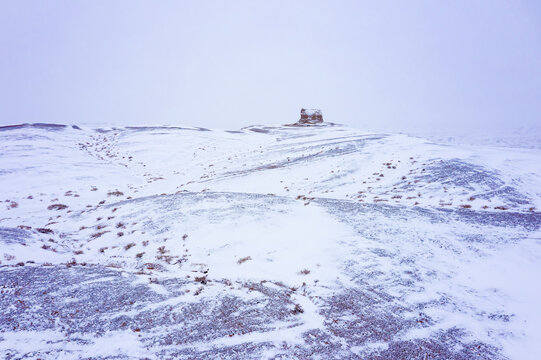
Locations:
(266, 242)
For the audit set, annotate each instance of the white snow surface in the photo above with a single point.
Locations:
(447, 233)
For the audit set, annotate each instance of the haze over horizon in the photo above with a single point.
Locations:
(460, 66)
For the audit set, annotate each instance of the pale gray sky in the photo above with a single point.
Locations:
(396, 65)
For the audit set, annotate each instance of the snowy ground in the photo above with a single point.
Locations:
(266, 242)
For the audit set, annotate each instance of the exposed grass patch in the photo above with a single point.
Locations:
(98, 234)
(115, 193)
(244, 259)
(57, 207)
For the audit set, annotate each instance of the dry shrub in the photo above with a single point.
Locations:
(297, 310)
(57, 207)
(115, 193)
(98, 234)
(467, 206)
(129, 246)
(201, 279)
(244, 259)
(44, 230)
(500, 208)
(304, 272)
(139, 255)
(162, 250)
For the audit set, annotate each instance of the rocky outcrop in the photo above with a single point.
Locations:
(310, 117)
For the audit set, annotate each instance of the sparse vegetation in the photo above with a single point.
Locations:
(162, 250)
(57, 207)
(297, 310)
(98, 234)
(115, 193)
(304, 272)
(129, 246)
(244, 259)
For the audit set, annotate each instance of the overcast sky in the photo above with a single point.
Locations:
(394, 65)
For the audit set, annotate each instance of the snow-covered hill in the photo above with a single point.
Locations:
(266, 242)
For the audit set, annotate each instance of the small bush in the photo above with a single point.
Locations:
(297, 310)
(115, 193)
(304, 272)
(57, 207)
(98, 234)
(244, 259)
(129, 246)
(44, 230)
(162, 250)
(201, 279)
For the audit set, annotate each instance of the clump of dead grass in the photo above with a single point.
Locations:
(244, 259)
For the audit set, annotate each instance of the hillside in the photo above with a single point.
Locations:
(266, 242)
